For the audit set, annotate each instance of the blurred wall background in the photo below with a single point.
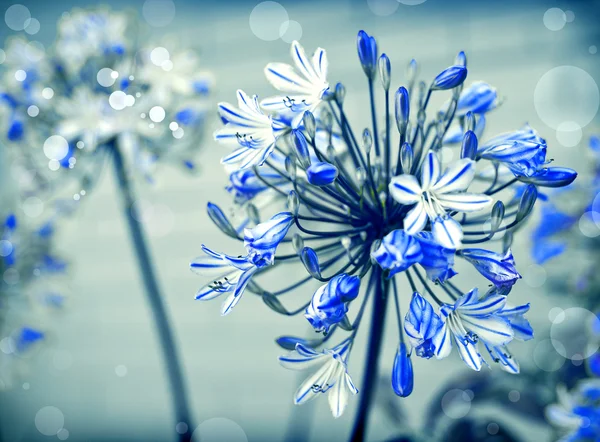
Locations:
(101, 368)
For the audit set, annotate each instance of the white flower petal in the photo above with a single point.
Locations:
(490, 329)
(320, 64)
(464, 202)
(405, 189)
(456, 178)
(416, 219)
(447, 232)
(318, 380)
(443, 342)
(430, 171)
(468, 353)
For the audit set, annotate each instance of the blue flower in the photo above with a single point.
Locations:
(321, 174)
(577, 413)
(499, 269)
(332, 377)
(436, 260)
(470, 320)
(421, 325)
(551, 177)
(367, 53)
(250, 128)
(232, 276)
(384, 207)
(26, 337)
(435, 194)
(478, 98)
(449, 78)
(329, 303)
(262, 240)
(303, 88)
(523, 151)
(397, 252)
(402, 372)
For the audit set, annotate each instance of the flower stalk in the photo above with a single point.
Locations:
(154, 297)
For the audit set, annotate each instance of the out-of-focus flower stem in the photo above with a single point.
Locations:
(161, 319)
(367, 392)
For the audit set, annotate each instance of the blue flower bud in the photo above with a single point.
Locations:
(15, 131)
(499, 269)
(329, 303)
(262, 241)
(402, 108)
(478, 98)
(406, 157)
(450, 77)
(11, 222)
(461, 59)
(367, 53)
(421, 324)
(526, 203)
(551, 177)
(310, 260)
(497, 216)
(301, 146)
(310, 125)
(385, 71)
(469, 145)
(289, 342)
(436, 260)
(218, 217)
(402, 372)
(397, 252)
(321, 174)
(340, 93)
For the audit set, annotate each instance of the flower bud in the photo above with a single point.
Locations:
(309, 124)
(367, 141)
(321, 174)
(367, 53)
(469, 145)
(402, 108)
(449, 78)
(293, 203)
(218, 217)
(406, 157)
(461, 59)
(551, 177)
(412, 71)
(310, 260)
(290, 167)
(385, 71)
(340, 93)
(402, 372)
(297, 243)
(527, 202)
(301, 146)
(497, 216)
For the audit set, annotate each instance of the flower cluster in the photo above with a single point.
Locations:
(577, 413)
(365, 209)
(96, 89)
(30, 289)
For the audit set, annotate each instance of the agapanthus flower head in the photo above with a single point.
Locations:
(364, 211)
(96, 89)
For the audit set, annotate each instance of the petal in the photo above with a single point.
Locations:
(430, 171)
(464, 202)
(447, 232)
(302, 62)
(320, 64)
(443, 342)
(405, 189)
(245, 157)
(295, 361)
(457, 177)
(492, 330)
(283, 77)
(235, 297)
(486, 306)
(320, 378)
(416, 219)
(469, 354)
(339, 394)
